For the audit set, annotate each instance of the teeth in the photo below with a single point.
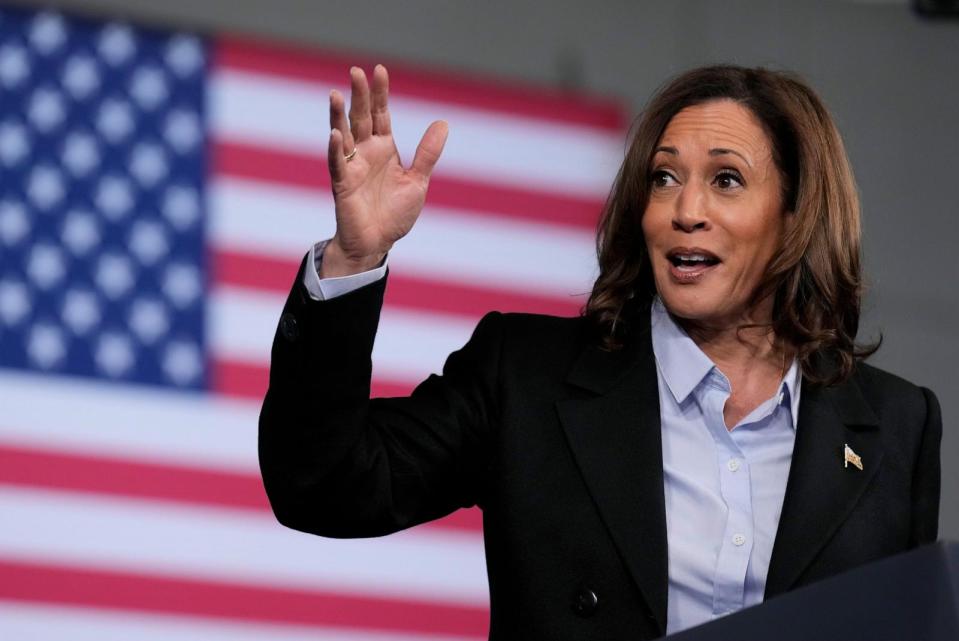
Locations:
(692, 261)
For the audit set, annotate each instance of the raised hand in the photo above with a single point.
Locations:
(377, 199)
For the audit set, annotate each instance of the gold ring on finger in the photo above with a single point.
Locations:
(350, 155)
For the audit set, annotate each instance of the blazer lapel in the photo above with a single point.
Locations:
(822, 490)
(615, 437)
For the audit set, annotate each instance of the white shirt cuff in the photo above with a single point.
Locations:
(327, 288)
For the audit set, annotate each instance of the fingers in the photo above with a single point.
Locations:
(335, 156)
(430, 148)
(361, 122)
(380, 112)
(338, 118)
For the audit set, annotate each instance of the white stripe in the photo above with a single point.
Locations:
(409, 345)
(23, 621)
(149, 424)
(263, 218)
(219, 544)
(444, 244)
(516, 150)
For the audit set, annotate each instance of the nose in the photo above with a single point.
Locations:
(690, 213)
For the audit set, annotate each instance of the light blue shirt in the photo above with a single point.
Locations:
(724, 488)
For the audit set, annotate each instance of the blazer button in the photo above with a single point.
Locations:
(289, 327)
(585, 602)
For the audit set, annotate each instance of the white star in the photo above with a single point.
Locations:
(48, 32)
(15, 301)
(114, 275)
(45, 186)
(14, 222)
(148, 163)
(46, 265)
(114, 197)
(13, 143)
(80, 153)
(181, 206)
(114, 354)
(184, 54)
(46, 346)
(81, 76)
(181, 284)
(149, 87)
(14, 65)
(182, 362)
(182, 130)
(115, 120)
(81, 311)
(116, 44)
(80, 232)
(46, 109)
(149, 319)
(148, 241)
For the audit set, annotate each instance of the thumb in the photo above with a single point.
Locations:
(430, 148)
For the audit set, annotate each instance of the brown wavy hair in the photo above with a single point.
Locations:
(815, 279)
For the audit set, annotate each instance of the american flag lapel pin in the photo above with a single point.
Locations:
(851, 457)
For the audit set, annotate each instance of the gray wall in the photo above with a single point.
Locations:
(890, 77)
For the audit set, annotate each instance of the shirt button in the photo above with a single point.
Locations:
(733, 464)
(738, 539)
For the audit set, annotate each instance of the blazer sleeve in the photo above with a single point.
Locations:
(337, 463)
(926, 476)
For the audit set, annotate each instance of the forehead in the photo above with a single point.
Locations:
(718, 124)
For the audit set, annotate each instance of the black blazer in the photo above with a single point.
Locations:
(559, 443)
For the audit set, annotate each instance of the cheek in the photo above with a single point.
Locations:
(653, 224)
(770, 236)
(648, 234)
(759, 245)
(758, 228)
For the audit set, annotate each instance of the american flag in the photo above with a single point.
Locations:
(157, 192)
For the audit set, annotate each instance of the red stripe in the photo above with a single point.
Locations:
(309, 171)
(119, 477)
(127, 591)
(469, 90)
(277, 275)
(238, 379)
(155, 481)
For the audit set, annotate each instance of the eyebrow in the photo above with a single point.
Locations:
(719, 151)
(668, 150)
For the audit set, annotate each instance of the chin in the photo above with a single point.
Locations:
(686, 303)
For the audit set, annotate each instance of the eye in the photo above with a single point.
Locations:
(729, 179)
(662, 178)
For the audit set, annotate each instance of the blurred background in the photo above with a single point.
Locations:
(162, 172)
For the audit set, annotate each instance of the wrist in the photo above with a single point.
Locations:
(336, 262)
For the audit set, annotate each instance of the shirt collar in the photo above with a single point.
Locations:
(792, 383)
(683, 365)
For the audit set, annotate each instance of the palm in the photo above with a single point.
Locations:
(377, 199)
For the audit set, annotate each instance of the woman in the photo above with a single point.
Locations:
(703, 437)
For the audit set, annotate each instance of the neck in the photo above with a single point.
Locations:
(736, 350)
(741, 351)
(753, 359)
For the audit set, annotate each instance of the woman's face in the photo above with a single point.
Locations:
(715, 214)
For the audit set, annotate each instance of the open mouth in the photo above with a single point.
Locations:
(689, 266)
(692, 260)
